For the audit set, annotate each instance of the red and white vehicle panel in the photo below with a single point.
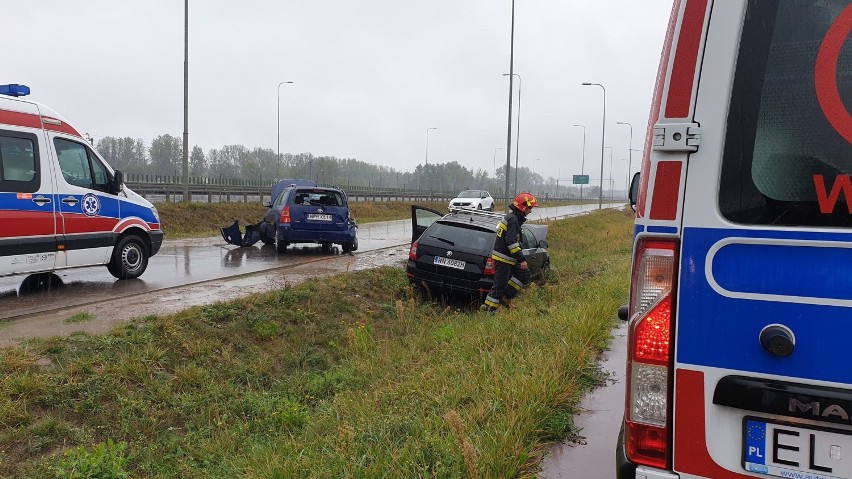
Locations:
(61, 205)
(741, 291)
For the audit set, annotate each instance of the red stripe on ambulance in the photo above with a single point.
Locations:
(690, 455)
(16, 118)
(683, 70)
(26, 223)
(666, 190)
(655, 110)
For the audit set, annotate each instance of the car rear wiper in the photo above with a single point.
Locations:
(444, 240)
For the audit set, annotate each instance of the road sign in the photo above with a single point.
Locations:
(581, 179)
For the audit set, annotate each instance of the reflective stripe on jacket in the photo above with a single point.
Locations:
(507, 244)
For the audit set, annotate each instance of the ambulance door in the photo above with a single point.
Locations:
(89, 210)
(28, 236)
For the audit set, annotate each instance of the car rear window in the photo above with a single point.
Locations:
(788, 147)
(318, 197)
(454, 234)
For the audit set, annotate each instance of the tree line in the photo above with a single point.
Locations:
(164, 157)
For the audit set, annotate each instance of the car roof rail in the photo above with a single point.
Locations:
(461, 209)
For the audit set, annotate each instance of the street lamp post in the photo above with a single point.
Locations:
(533, 173)
(185, 158)
(517, 133)
(278, 156)
(509, 127)
(427, 157)
(610, 171)
(629, 150)
(494, 160)
(583, 161)
(603, 138)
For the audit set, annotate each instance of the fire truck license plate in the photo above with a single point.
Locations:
(784, 450)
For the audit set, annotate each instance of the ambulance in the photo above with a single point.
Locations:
(740, 313)
(61, 205)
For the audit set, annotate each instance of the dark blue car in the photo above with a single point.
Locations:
(303, 212)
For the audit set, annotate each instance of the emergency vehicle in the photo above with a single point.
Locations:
(61, 205)
(740, 314)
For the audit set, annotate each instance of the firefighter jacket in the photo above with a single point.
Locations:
(507, 245)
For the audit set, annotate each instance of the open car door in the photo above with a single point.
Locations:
(422, 218)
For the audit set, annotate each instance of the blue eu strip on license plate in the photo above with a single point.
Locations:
(781, 449)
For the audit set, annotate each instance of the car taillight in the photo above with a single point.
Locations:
(285, 215)
(490, 267)
(649, 361)
(412, 253)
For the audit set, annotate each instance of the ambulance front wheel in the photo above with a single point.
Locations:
(129, 258)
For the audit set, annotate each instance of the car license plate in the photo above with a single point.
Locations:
(784, 450)
(319, 217)
(451, 263)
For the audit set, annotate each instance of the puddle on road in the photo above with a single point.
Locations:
(109, 313)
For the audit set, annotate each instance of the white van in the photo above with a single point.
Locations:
(740, 314)
(61, 205)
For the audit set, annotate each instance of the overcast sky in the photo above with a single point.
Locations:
(370, 76)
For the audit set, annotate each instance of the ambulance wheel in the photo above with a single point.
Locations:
(280, 246)
(129, 258)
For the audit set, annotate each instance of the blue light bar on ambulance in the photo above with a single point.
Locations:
(14, 90)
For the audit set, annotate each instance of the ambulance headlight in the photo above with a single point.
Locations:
(156, 213)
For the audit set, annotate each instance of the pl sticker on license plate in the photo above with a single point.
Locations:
(786, 450)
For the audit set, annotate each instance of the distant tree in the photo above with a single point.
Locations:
(166, 155)
(125, 154)
(197, 162)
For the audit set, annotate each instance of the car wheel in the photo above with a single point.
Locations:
(129, 258)
(491, 208)
(479, 206)
(280, 246)
(326, 247)
(267, 233)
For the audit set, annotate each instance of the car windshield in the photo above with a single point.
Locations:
(469, 194)
(456, 234)
(318, 198)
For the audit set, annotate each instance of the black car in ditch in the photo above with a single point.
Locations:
(451, 253)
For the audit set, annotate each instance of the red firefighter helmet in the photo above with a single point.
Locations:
(524, 202)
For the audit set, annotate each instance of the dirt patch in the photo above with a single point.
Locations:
(105, 315)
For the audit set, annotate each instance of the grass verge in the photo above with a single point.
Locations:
(351, 376)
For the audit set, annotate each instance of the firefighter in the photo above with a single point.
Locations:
(512, 271)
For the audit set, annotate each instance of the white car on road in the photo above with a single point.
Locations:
(474, 199)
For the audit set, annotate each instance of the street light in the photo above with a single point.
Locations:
(427, 157)
(494, 160)
(509, 127)
(278, 172)
(610, 171)
(603, 137)
(533, 173)
(518, 133)
(583, 162)
(629, 148)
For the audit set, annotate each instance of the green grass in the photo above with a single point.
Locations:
(351, 376)
(78, 318)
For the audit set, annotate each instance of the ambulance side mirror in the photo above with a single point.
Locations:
(117, 181)
(633, 197)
